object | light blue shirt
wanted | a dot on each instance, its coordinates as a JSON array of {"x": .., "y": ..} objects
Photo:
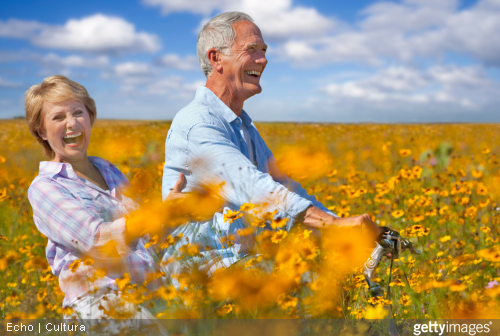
[{"x": 208, "y": 129}]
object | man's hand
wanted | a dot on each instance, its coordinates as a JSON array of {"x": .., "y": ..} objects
[
  {"x": 316, "y": 218},
  {"x": 368, "y": 226},
  {"x": 176, "y": 191}
]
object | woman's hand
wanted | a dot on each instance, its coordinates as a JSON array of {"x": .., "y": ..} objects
[{"x": 176, "y": 191}]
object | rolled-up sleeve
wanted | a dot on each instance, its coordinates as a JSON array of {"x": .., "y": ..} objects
[
  {"x": 215, "y": 157},
  {"x": 65, "y": 220}
]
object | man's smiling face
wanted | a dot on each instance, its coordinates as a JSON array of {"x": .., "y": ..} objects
[{"x": 242, "y": 69}]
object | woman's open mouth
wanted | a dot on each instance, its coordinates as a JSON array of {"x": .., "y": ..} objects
[{"x": 73, "y": 138}]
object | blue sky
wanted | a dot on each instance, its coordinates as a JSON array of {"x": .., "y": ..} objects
[{"x": 329, "y": 61}]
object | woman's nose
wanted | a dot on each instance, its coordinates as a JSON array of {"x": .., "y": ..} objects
[{"x": 70, "y": 121}]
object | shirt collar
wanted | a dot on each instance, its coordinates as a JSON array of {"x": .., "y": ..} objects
[
  {"x": 212, "y": 100},
  {"x": 247, "y": 121},
  {"x": 51, "y": 169}
]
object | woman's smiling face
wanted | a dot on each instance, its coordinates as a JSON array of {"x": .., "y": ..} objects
[{"x": 67, "y": 129}]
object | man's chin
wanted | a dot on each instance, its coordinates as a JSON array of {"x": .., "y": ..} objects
[{"x": 255, "y": 89}]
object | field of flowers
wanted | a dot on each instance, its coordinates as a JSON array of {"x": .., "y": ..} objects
[{"x": 438, "y": 185}]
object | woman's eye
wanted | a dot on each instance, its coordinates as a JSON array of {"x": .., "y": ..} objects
[{"x": 78, "y": 112}]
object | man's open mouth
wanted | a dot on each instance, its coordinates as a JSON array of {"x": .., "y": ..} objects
[
  {"x": 73, "y": 138},
  {"x": 253, "y": 73}
]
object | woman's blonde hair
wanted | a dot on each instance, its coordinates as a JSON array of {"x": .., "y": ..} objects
[{"x": 54, "y": 89}]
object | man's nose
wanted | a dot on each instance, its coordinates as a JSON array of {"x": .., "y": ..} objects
[{"x": 262, "y": 60}]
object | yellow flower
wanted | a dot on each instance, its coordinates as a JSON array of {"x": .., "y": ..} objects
[
  {"x": 485, "y": 229},
  {"x": 225, "y": 309},
  {"x": 231, "y": 216},
  {"x": 418, "y": 218},
  {"x": 74, "y": 265},
  {"x": 122, "y": 282},
  {"x": 444, "y": 209},
  {"x": 247, "y": 207},
  {"x": 152, "y": 241},
  {"x": 332, "y": 172},
  {"x": 286, "y": 302},
  {"x": 306, "y": 233},
  {"x": 484, "y": 203},
  {"x": 41, "y": 294},
  {"x": 3, "y": 194},
  {"x": 247, "y": 231},
  {"x": 458, "y": 287},
  {"x": 405, "y": 299},
  {"x": 376, "y": 313},
  {"x": 417, "y": 171},
  {"x": 193, "y": 250},
  {"x": 397, "y": 213},
  {"x": 278, "y": 236},
  {"x": 278, "y": 223},
  {"x": 477, "y": 173},
  {"x": 490, "y": 254},
  {"x": 485, "y": 151},
  {"x": 481, "y": 189},
  {"x": 404, "y": 152},
  {"x": 471, "y": 212},
  {"x": 445, "y": 239}
]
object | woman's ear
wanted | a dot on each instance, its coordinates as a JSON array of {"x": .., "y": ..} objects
[
  {"x": 41, "y": 133},
  {"x": 214, "y": 57}
]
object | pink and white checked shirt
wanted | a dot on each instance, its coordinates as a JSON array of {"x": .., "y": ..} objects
[{"x": 78, "y": 218}]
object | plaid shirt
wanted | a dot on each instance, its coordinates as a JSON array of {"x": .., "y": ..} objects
[{"x": 79, "y": 218}]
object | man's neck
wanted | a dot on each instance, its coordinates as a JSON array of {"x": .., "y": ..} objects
[{"x": 224, "y": 94}]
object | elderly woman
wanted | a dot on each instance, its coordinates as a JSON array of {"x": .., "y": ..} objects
[{"x": 78, "y": 205}]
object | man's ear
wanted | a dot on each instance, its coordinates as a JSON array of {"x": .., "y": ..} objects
[{"x": 214, "y": 57}]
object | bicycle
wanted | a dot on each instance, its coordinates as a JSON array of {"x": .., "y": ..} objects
[{"x": 388, "y": 243}]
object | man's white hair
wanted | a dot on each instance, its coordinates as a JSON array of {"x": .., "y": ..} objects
[{"x": 218, "y": 33}]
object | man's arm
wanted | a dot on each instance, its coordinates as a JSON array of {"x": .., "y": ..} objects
[
  {"x": 319, "y": 217},
  {"x": 215, "y": 158},
  {"x": 293, "y": 185}
]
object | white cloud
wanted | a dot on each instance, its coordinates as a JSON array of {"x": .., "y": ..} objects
[
  {"x": 173, "y": 86},
  {"x": 7, "y": 84},
  {"x": 97, "y": 33},
  {"x": 403, "y": 32},
  {"x": 204, "y": 7},
  {"x": 20, "y": 29},
  {"x": 466, "y": 88},
  {"x": 173, "y": 61},
  {"x": 133, "y": 69},
  {"x": 74, "y": 61},
  {"x": 278, "y": 19},
  {"x": 407, "y": 16}
]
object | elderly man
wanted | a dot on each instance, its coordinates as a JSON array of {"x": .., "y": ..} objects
[{"x": 214, "y": 127}]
